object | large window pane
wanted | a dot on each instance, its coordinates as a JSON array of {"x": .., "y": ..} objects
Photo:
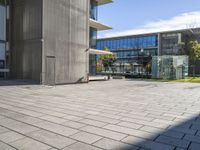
[
  {"x": 2, "y": 23},
  {"x": 2, "y": 51}
]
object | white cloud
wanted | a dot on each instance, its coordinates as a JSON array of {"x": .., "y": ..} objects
[{"x": 182, "y": 21}]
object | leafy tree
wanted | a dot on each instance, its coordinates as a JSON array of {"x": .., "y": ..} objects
[
  {"x": 99, "y": 66},
  {"x": 107, "y": 60},
  {"x": 194, "y": 53}
]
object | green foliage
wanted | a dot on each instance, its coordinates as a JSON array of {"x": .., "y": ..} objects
[
  {"x": 99, "y": 66},
  {"x": 194, "y": 54},
  {"x": 190, "y": 79},
  {"x": 194, "y": 50},
  {"x": 108, "y": 60}
]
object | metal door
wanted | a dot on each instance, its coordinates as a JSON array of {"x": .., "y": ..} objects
[{"x": 50, "y": 70}]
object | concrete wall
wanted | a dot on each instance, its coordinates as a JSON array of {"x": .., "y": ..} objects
[
  {"x": 49, "y": 40},
  {"x": 65, "y": 38},
  {"x": 26, "y": 39}
]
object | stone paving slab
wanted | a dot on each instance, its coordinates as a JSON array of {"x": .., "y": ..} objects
[
  {"x": 173, "y": 141},
  {"x": 4, "y": 146},
  {"x": 2, "y": 130},
  {"x": 52, "y": 139},
  {"x": 112, "y": 115},
  {"x": 56, "y": 128},
  {"x": 81, "y": 146},
  {"x": 104, "y": 132},
  {"x": 29, "y": 144},
  {"x": 114, "y": 145},
  {"x": 10, "y": 136},
  {"x": 86, "y": 137}
]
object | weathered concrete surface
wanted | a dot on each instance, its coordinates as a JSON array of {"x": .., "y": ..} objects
[
  {"x": 111, "y": 115},
  {"x": 49, "y": 41}
]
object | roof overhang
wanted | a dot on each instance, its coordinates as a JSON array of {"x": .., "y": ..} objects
[
  {"x": 102, "y": 2},
  {"x": 99, "y": 26},
  {"x": 99, "y": 52}
]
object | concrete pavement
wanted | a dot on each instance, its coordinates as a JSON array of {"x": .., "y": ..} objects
[{"x": 111, "y": 115}]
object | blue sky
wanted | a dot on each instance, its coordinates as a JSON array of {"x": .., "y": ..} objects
[{"x": 140, "y": 16}]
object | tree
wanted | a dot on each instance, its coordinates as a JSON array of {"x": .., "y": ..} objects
[
  {"x": 107, "y": 60},
  {"x": 99, "y": 66},
  {"x": 194, "y": 53}
]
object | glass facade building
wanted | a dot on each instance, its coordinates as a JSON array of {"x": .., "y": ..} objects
[
  {"x": 171, "y": 44},
  {"x": 128, "y": 43},
  {"x": 137, "y": 51},
  {"x": 130, "y": 48},
  {"x": 95, "y": 26}
]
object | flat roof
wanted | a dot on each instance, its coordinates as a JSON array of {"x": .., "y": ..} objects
[{"x": 148, "y": 34}]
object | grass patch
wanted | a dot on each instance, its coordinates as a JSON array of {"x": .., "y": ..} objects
[
  {"x": 186, "y": 80},
  {"x": 190, "y": 79}
]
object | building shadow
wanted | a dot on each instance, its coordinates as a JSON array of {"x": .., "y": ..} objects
[
  {"x": 182, "y": 136},
  {"x": 17, "y": 82}
]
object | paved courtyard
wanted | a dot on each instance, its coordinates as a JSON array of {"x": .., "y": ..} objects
[{"x": 112, "y": 115}]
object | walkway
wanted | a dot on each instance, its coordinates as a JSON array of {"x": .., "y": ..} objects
[{"x": 112, "y": 115}]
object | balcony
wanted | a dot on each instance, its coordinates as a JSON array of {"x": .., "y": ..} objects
[
  {"x": 99, "y": 52},
  {"x": 99, "y": 26},
  {"x": 102, "y": 2}
]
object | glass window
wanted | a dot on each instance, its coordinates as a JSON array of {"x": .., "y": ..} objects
[
  {"x": 137, "y": 43},
  {"x": 2, "y": 23},
  {"x": 101, "y": 45},
  {"x": 124, "y": 44},
  {"x": 121, "y": 43},
  {"x": 108, "y": 44},
  {"x": 93, "y": 10},
  {"x": 111, "y": 44},
  {"x": 120, "y": 54},
  {"x": 132, "y": 42},
  {"x": 117, "y": 44},
  {"x": 129, "y": 43},
  {"x": 2, "y": 51},
  {"x": 98, "y": 45},
  {"x": 123, "y": 54}
]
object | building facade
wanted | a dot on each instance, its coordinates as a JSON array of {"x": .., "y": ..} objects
[
  {"x": 4, "y": 38},
  {"x": 138, "y": 50},
  {"x": 95, "y": 26},
  {"x": 47, "y": 41}
]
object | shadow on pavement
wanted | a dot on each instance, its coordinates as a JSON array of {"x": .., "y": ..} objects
[
  {"x": 17, "y": 82},
  {"x": 184, "y": 136}
]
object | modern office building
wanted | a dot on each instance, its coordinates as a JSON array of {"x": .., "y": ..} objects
[
  {"x": 95, "y": 26},
  {"x": 48, "y": 41},
  {"x": 139, "y": 49}
]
